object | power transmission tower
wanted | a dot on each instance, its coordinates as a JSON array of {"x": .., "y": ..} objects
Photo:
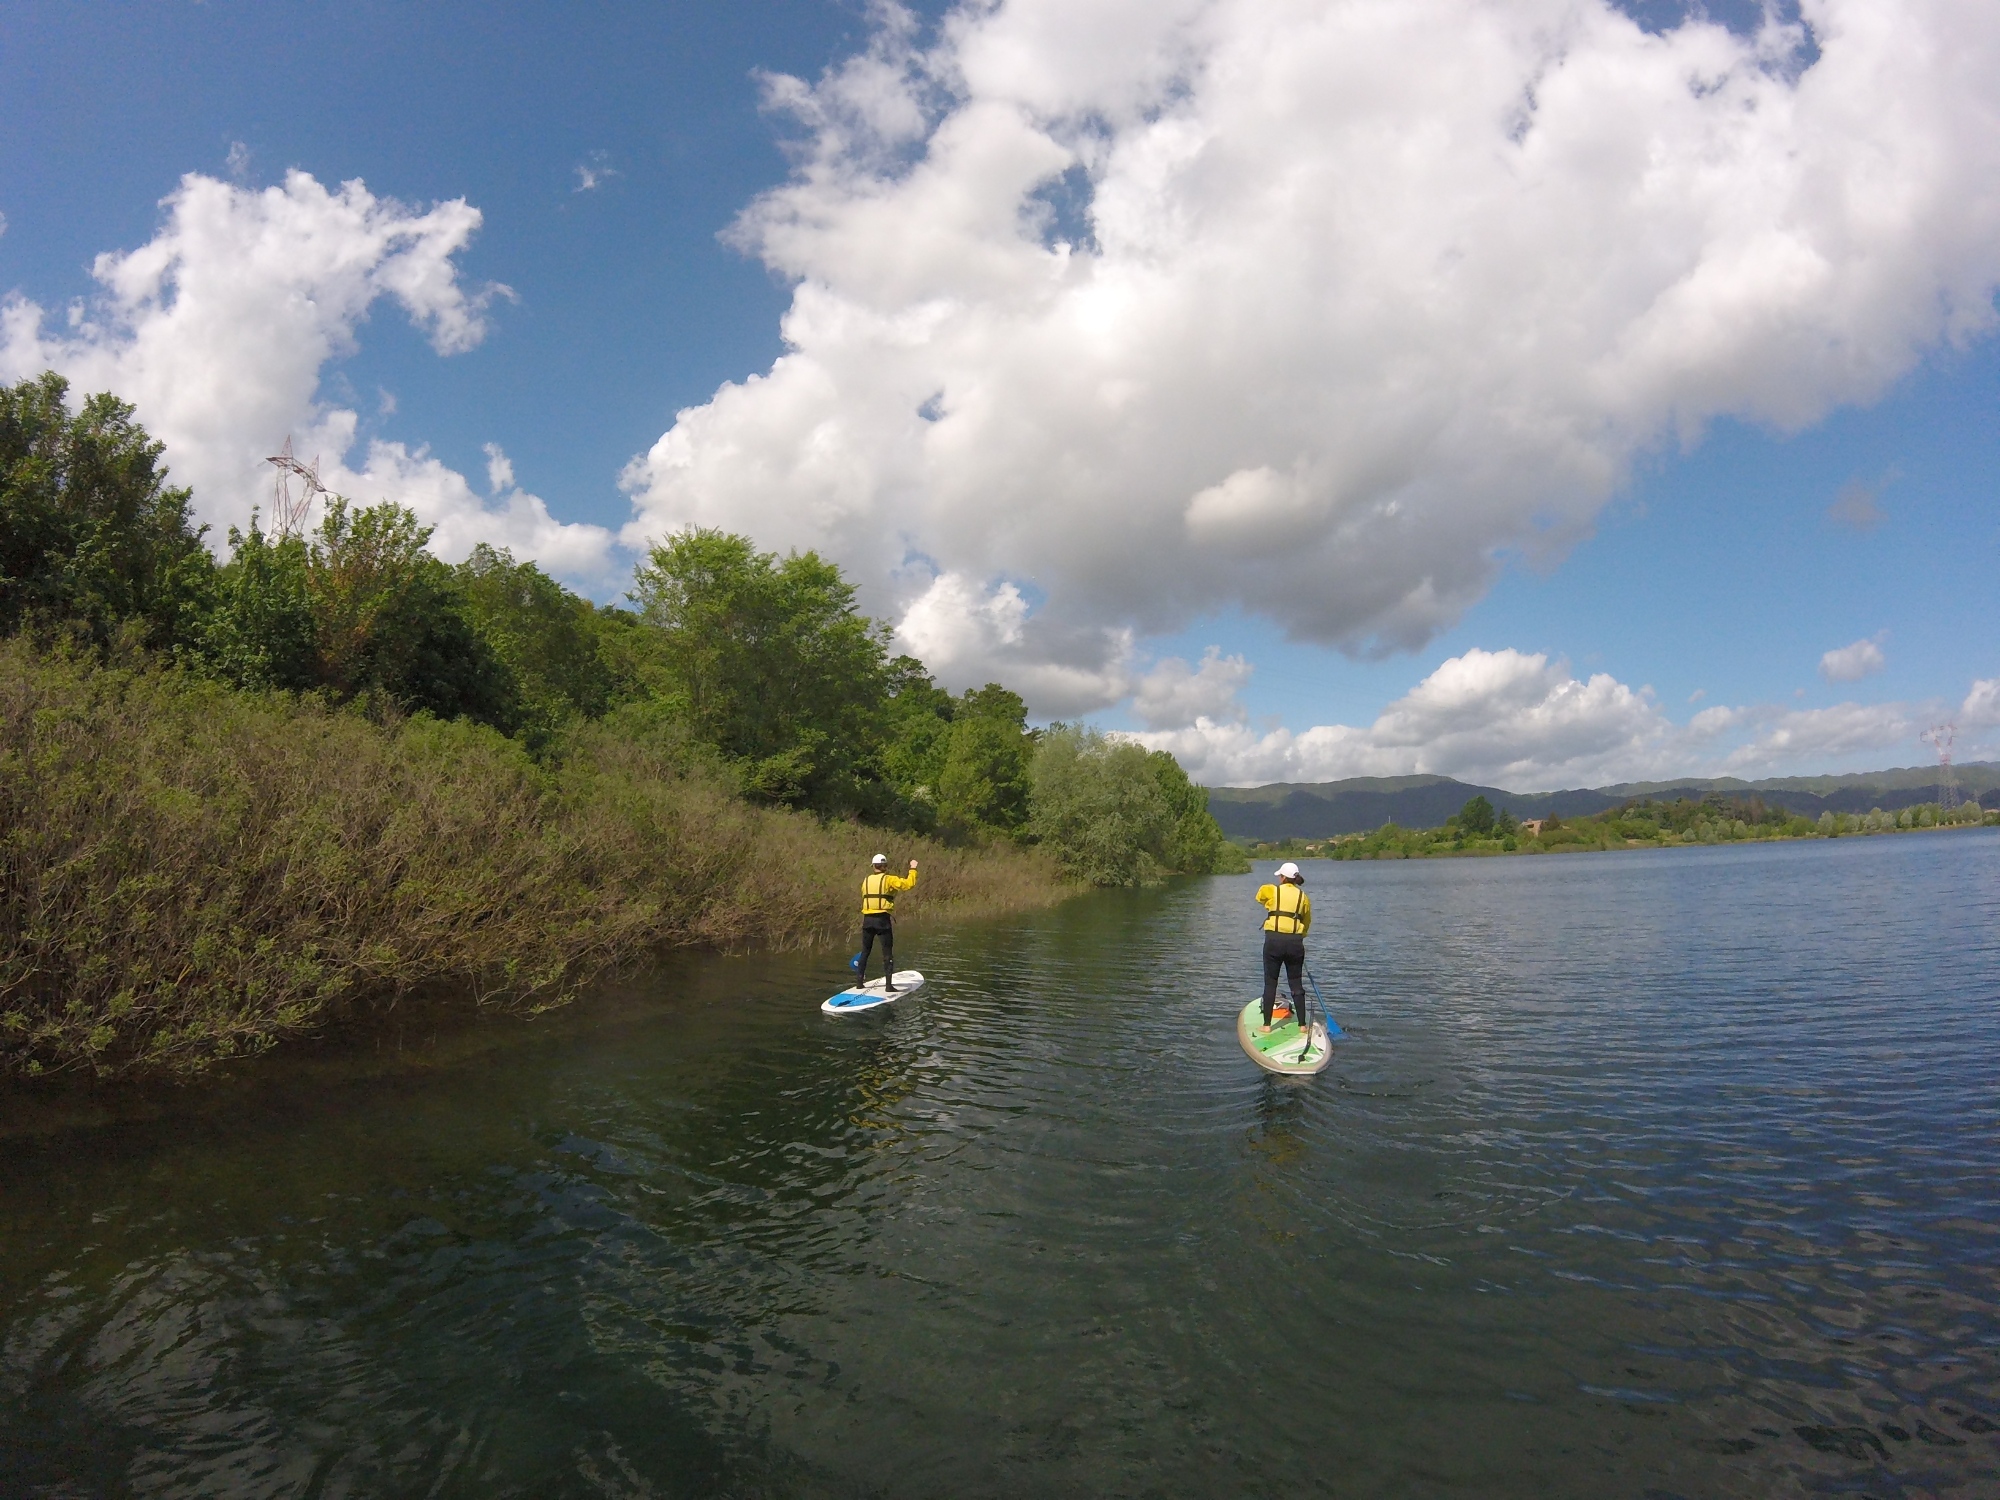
[
  {"x": 1939, "y": 737},
  {"x": 288, "y": 516}
]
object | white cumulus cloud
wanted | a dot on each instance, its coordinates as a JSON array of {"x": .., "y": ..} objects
[
  {"x": 1846, "y": 736},
  {"x": 1317, "y": 308},
  {"x": 1505, "y": 718},
  {"x": 217, "y": 331},
  {"x": 1982, "y": 704},
  {"x": 1851, "y": 663},
  {"x": 1525, "y": 723},
  {"x": 1173, "y": 693}
]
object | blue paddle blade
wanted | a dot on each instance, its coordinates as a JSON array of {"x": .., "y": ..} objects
[{"x": 854, "y": 963}]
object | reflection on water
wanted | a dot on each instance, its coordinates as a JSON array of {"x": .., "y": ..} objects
[{"x": 1654, "y": 1174}]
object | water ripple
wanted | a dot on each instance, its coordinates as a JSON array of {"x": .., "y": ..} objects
[{"x": 1656, "y": 1174}]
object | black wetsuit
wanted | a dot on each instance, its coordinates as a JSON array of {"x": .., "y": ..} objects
[
  {"x": 873, "y": 927},
  {"x": 1285, "y": 950}
]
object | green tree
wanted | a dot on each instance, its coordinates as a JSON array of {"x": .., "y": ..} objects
[
  {"x": 261, "y": 632},
  {"x": 1098, "y": 807},
  {"x": 772, "y": 664},
  {"x": 392, "y": 621},
  {"x": 358, "y": 610},
  {"x": 916, "y": 737},
  {"x": 1476, "y": 817},
  {"x": 1195, "y": 845},
  {"x": 986, "y": 774},
  {"x": 91, "y": 534},
  {"x": 546, "y": 636},
  {"x": 1113, "y": 813}
]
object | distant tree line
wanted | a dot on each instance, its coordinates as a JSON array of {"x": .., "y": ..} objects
[
  {"x": 763, "y": 662},
  {"x": 1479, "y": 828}
]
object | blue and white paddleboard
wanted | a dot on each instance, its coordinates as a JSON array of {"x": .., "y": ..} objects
[{"x": 868, "y": 996}]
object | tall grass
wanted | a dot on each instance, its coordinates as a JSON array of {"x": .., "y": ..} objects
[{"x": 190, "y": 873}]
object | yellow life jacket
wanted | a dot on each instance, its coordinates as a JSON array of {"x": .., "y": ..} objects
[
  {"x": 1286, "y": 918},
  {"x": 878, "y": 894}
]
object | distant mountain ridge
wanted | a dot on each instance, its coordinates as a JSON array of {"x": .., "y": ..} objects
[{"x": 1317, "y": 810}]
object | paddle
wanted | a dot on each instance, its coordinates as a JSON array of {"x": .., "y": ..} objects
[{"x": 1326, "y": 1013}]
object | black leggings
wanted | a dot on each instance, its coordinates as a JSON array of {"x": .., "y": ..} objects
[
  {"x": 871, "y": 929},
  {"x": 1286, "y": 950}
]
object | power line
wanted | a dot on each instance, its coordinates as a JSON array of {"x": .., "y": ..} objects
[
  {"x": 288, "y": 515},
  {"x": 1939, "y": 738}
]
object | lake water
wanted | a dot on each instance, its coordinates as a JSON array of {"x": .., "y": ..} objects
[{"x": 1651, "y": 1174}]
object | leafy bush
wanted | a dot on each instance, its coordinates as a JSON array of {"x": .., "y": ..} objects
[
  {"x": 551, "y": 641},
  {"x": 1114, "y": 814}
]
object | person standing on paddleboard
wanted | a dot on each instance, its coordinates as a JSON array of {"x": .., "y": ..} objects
[
  {"x": 1291, "y": 917},
  {"x": 878, "y": 901}
]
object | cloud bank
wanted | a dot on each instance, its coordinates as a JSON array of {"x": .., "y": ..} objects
[
  {"x": 217, "y": 331},
  {"x": 1140, "y": 309},
  {"x": 1526, "y": 723}
]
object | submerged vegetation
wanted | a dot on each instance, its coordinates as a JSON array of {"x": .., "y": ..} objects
[
  {"x": 1641, "y": 823},
  {"x": 237, "y": 796}
]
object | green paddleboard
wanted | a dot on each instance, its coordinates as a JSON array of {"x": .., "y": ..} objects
[{"x": 1284, "y": 1048}]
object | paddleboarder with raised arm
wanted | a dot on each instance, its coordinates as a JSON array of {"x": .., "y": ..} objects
[
  {"x": 878, "y": 902},
  {"x": 1290, "y": 918}
]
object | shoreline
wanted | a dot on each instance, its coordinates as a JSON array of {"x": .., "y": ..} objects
[
  {"x": 195, "y": 874},
  {"x": 382, "y": 1041},
  {"x": 1446, "y": 848}
]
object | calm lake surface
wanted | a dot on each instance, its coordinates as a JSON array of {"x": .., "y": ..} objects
[{"x": 1652, "y": 1174}]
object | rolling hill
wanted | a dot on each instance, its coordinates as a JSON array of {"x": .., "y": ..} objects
[{"x": 1313, "y": 810}]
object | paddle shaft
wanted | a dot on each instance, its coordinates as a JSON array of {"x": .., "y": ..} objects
[{"x": 1325, "y": 1010}]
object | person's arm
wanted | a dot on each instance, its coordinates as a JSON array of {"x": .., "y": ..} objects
[
  {"x": 1267, "y": 897},
  {"x": 1306, "y": 924},
  {"x": 904, "y": 883}
]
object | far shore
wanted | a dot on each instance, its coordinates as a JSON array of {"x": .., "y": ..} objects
[{"x": 1606, "y": 832}]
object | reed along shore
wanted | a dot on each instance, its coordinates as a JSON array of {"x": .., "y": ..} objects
[{"x": 191, "y": 873}]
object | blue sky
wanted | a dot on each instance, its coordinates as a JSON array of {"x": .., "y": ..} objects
[
  {"x": 607, "y": 149},
  {"x": 630, "y": 308}
]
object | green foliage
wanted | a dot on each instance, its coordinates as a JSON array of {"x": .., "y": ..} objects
[
  {"x": 1641, "y": 822},
  {"x": 546, "y": 637},
  {"x": 261, "y": 632},
  {"x": 985, "y": 777},
  {"x": 358, "y": 610},
  {"x": 1114, "y": 814},
  {"x": 1098, "y": 807},
  {"x": 190, "y": 873},
  {"x": 90, "y": 533},
  {"x": 391, "y": 620},
  {"x": 916, "y": 735},
  {"x": 1195, "y": 845},
  {"x": 772, "y": 664},
  {"x": 1476, "y": 817}
]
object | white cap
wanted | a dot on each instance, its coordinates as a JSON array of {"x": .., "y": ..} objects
[
  {"x": 880, "y": 859},
  {"x": 1288, "y": 871}
]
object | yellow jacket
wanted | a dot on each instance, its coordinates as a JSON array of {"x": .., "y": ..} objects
[
  {"x": 1290, "y": 907},
  {"x": 878, "y": 892}
]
